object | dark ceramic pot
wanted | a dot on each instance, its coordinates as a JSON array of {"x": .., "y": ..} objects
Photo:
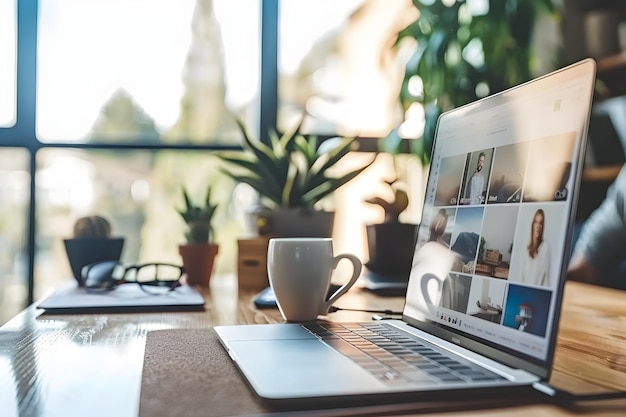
[
  {"x": 87, "y": 250},
  {"x": 391, "y": 247},
  {"x": 294, "y": 222}
]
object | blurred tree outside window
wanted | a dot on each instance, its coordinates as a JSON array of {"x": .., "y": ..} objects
[
  {"x": 340, "y": 64},
  {"x": 149, "y": 70}
]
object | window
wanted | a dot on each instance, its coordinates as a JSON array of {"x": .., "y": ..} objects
[
  {"x": 8, "y": 62},
  {"x": 146, "y": 70},
  {"x": 144, "y": 73},
  {"x": 139, "y": 192},
  {"x": 131, "y": 99},
  {"x": 122, "y": 102},
  {"x": 14, "y": 194}
]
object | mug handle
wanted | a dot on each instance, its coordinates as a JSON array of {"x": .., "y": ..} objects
[
  {"x": 426, "y": 278},
  {"x": 356, "y": 272}
]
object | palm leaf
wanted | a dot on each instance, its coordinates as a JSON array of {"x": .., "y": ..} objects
[
  {"x": 291, "y": 170},
  {"x": 253, "y": 167},
  {"x": 274, "y": 194},
  {"x": 289, "y": 138},
  {"x": 308, "y": 148},
  {"x": 332, "y": 184},
  {"x": 290, "y": 191},
  {"x": 261, "y": 151},
  {"x": 343, "y": 147}
]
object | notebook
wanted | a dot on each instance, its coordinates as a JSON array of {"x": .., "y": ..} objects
[
  {"x": 487, "y": 276},
  {"x": 69, "y": 298}
]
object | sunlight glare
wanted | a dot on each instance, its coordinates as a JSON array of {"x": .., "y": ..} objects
[{"x": 140, "y": 47}]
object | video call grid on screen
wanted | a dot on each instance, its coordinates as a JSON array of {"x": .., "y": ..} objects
[
  {"x": 489, "y": 231},
  {"x": 490, "y": 197}
]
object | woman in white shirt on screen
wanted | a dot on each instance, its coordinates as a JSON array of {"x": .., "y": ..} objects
[{"x": 536, "y": 266}]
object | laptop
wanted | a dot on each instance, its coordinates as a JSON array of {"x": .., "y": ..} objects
[{"x": 487, "y": 276}]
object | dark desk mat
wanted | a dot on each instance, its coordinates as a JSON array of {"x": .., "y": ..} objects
[{"x": 188, "y": 373}]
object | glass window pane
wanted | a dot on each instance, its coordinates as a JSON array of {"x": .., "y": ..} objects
[
  {"x": 8, "y": 62},
  {"x": 147, "y": 70},
  {"x": 140, "y": 193},
  {"x": 14, "y": 194},
  {"x": 338, "y": 62}
]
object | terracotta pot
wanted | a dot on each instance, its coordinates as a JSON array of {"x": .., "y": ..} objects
[
  {"x": 86, "y": 250},
  {"x": 198, "y": 259}
]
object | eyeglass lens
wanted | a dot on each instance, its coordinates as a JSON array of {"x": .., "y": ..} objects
[
  {"x": 102, "y": 274},
  {"x": 108, "y": 274},
  {"x": 153, "y": 272}
]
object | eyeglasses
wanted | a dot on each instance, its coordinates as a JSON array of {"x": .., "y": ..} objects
[{"x": 153, "y": 278}]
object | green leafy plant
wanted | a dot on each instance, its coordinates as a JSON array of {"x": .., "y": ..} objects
[
  {"x": 291, "y": 170},
  {"x": 394, "y": 207},
  {"x": 198, "y": 218},
  {"x": 464, "y": 54}
]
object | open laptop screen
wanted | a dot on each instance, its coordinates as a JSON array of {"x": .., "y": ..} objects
[{"x": 493, "y": 243}]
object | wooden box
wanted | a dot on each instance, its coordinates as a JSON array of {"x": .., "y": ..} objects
[
  {"x": 502, "y": 272},
  {"x": 483, "y": 269},
  {"x": 252, "y": 263},
  {"x": 493, "y": 256}
]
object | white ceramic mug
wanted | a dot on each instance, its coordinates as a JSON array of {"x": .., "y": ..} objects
[{"x": 300, "y": 270}]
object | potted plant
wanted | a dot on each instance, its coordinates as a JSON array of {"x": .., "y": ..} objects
[
  {"x": 466, "y": 50},
  {"x": 391, "y": 243},
  {"x": 91, "y": 242},
  {"x": 199, "y": 251},
  {"x": 291, "y": 175}
]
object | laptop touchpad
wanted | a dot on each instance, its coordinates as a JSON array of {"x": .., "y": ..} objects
[{"x": 296, "y": 367}]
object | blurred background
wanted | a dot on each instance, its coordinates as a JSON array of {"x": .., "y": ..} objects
[{"x": 110, "y": 106}]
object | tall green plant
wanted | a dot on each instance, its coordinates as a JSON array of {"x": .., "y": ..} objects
[
  {"x": 292, "y": 170},
  {"x": 464, "y": 54}
]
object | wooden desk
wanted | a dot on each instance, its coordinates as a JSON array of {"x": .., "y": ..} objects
[{"x": 90, "y": 365}]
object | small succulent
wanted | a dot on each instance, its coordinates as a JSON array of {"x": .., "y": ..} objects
[
  {"x": 198, "y": 218},
  {"x": 92, "y": 227},
  {"x": 392, "y": 208}
]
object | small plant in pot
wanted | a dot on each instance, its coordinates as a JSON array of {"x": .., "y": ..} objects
[
  {"x": 291, "y": 175},
  {"x": 391, "y": 243},
  {"x": 199, "y": 251},
  {"x": 92, "y": 242}
]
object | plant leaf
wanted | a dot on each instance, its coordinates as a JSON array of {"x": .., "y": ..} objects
[
  {"x": 341, "y": 149},
  {"x": 259, "y": 184},
  {"x": 332, "y": 184}
]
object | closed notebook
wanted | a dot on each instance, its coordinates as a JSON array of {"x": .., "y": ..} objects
[{"x": 70, "y": 298}]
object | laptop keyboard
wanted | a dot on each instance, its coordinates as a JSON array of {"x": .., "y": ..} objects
[{"x": 393, "y": 357}]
